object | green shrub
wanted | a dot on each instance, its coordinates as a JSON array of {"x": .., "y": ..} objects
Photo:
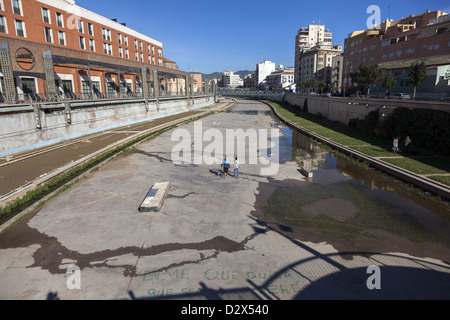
[
  {"x": 369, "y": 124},
  {"x": 428, "y": 129}
]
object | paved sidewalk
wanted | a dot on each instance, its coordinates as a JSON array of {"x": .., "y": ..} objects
[{"x": 204, "y": 244}]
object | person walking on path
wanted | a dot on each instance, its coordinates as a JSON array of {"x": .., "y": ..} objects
[
  {"x": 395, "y": 145},
  {"x": 236, "y": 168},
  {"x": 407, "y": 144},
  {"x": 226, "y": 166}
]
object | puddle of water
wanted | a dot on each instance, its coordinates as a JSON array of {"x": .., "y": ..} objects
[
  {"x": 351, "y": 207},
  {"x": 252, "y": 112}
]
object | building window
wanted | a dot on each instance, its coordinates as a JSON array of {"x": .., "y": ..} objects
[
  {"x": 17, "y": 7},
  {"x": 136, "y": 56},
  {"x": 142, "y": 57},
  {"x": 125, "y": 40},
  {"x": 67, "y": 86},
  {"x": 391, "y": 54},
  {"x": 2, "y": 8},
  {"x": 48, "y": 34},
  {"x": 150, "y": 59},
  {"x": 92, "y": 44},
  {"x": 28, "y": 85},
  {"x": 436, "y": 46},
  {"x": 373, "y": 47},
  {"x": 2, "y": 24},
  {"x": 46, "y": 15},
  {"x": 120, "y": 52},
  {"x": 127, "y": 54},
  {"x": 59, "y": 20},
  {"x": 140, "y": 45},
  {"x": 80, "y": 26},
  {"x": 111, "y": 88},
  {"x": 153, "y": 50},
  {"x": 107, "y": 48},
  {"x": 160, "y": 62},
  {"x": 148, "y": 48},
  {"x": 20, "y": 28},
  {"x": 399, "y": 53},
  {"x": 82, "y": 43},
  {"x": 135, "y": 44},
  {"x": 159, "y": 52},
  {"x": 106, "y": 33},
  {"x": 119, "y": 38},
  {"x": 90, "y": 29},
  {"x": 61, "y": 38},
  {"x": 410, "y": 50}
]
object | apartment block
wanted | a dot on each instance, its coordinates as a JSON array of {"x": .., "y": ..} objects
[
  {"x": 316, "y": 62},
  {"x": 231, "y": 80},
  {"x": 282, "y": 78},
  {"x": 395, "y": 45},
  {"x": 307, "y": 38},
  {"x": 263, "y": 69},
  {"x": 54, "y": 47}
]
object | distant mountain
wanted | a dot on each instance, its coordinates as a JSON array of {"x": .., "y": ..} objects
[{"x": 210, "y": 76}]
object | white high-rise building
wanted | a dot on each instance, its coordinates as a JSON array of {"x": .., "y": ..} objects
[
  {"x": 231, "y": 80},
  {"x": 263, "y": 69},
  {"x": 307, "y": 38}
]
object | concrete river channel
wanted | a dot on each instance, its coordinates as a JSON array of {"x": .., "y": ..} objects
[{"x": 277, "y": 236}]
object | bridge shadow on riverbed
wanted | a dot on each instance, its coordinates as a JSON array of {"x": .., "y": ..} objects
[{"x": 327, "y": 277}]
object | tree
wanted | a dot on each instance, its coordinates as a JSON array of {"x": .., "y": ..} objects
[
  {"x": 367, "y": 75},
  {"x": 312, "y": 83},
  {"x": 301, "y": 85},
  {"x": 389, "y": 82},
  {"x": 321, "y": 85},
  {"x": 417, "y": 74}
]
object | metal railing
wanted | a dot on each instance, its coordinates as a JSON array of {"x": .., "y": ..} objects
[
  {"x": 420, "y": 97},
  {"x": 24, "y": 98},
  {"x": 70, "y": 96}
]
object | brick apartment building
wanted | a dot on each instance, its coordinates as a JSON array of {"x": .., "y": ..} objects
[
  {"x": 395, "y": 45},
  {"x": 54, "y": 48}
]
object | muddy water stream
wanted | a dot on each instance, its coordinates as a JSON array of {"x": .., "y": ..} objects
[{"x": 358, "y": 210}]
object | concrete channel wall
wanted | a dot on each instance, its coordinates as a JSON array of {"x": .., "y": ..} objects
[
  {"x": 31, "y": 126},
  {"x": 344, "y": 109}
]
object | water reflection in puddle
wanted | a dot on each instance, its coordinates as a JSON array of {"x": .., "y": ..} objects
[
  {"x": 252, "y": 112},
  {"x": 352, "y": 207}
]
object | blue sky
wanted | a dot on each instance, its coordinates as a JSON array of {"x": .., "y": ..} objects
[{"x": 208, "y": 36}]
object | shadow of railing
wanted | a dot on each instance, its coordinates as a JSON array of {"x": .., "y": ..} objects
[{"x": 334, "y": 278}]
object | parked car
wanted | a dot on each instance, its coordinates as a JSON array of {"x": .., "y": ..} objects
[
  {"x": 401, "y": 96},
  {"x": 326, "y": 94}
]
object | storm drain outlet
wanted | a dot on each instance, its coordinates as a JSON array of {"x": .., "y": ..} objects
[{"x": 154, "y": 199}]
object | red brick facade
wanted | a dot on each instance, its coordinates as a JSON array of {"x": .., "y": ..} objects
[
  {"x": 414, "y": 37},
  {"x": 81, "y": 43}
]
